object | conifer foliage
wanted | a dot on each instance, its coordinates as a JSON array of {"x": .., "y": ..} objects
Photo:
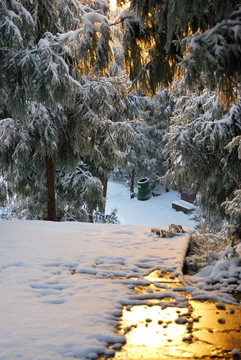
[
  {"x": 201, "y": 40},
  {"x": 162, "y": 30},
  {"x": 196, "y": 148},
  {"x": 54, "y": 121},
  {"x": 149, "y": 119},
  {"x": 217, "y": 53}
]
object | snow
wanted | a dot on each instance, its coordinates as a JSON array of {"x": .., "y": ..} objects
[
  {"x": 93, "y": 17},
  {"x": 157, "y": 211},
  {"x": 185, "y": 204},
  {"x": 63, "y": 285}
]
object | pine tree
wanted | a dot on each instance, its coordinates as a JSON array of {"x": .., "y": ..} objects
[
  {"x": 37, "y": 85},
  {"x": 48, "y": 126},
  {"x": 216, "y": 53},
  {"x": 200, "y": 40},
  {"x": 102, "y": 133},
  {"x": 158, "y": 35},
  {"x": 200, "y": 131},
  {"x": 149, "y": 119}
]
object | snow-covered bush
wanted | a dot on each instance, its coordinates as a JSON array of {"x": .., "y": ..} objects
[
  {"x": 207, "y": 247},
  {"x": 111, "y": 218},
  {"x": 232, "y": 209}
]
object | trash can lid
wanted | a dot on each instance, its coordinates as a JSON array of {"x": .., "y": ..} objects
[{"x": 143, "y": 180}]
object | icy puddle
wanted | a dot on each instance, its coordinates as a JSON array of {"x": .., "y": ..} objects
[{"x": 194, "y": 330}]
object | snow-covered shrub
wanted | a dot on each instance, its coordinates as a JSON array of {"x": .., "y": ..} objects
[
  {"x": 205, "y": 247},
  {"x": 111, "y": 218}
]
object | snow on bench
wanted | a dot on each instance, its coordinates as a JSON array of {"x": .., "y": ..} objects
[{"x": 182, "y": 205}]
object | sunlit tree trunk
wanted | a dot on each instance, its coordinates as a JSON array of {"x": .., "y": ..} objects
[{"x": 51, "y": 211}]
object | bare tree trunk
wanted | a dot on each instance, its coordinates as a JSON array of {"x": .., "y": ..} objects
[
  {"x": 132, "y": 192},
  {"x": 51, "y": 215}
]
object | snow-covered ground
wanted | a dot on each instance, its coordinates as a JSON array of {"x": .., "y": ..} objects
[
  {"x": 63, "y": 285},
  {"x": 157, "y": 211}
]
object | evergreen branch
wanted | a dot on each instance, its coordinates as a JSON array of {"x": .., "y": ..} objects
[
  {"x": 146, "y": 67},
  {"x": 5, "y": 50},
  {"x": 234, "y": 179},
  {"x": 118, "y": 21}
]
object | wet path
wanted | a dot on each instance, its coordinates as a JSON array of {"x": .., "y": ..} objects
[{"x": 163, "y": 330}]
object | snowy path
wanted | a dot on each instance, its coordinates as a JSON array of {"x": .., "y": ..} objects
[{"x": 63, "y": 285}]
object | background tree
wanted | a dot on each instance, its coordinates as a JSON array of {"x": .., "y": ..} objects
[
  {"x": 200, "y": 39},
  {"x": 200, "y": 131},
  {"x": 149, "y": 118}
]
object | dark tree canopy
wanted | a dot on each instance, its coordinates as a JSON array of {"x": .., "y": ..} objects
[{"x": 154, "y": 46}]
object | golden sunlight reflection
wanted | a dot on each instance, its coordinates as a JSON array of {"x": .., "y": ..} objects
[
  {"x": 195, "y": 329},
  {"x": 158, "y": 276},
  {"x": 151, "y": 330},
  {"x": 160, "y": 324},
  {"x": 154, "y": 332}
]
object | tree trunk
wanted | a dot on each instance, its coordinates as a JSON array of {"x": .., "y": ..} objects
[
  {"x": 91, "y": 219},
  {"x": 132, "y": 191},
  {"x": 51, "y": 215},
  {"x": 169, "y": 167},
  {"x": 105, "y": 183},
  {"x": 105, "y": 187}
]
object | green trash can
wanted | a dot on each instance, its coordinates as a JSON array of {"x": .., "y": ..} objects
[{"x": 144, "y": 192}]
